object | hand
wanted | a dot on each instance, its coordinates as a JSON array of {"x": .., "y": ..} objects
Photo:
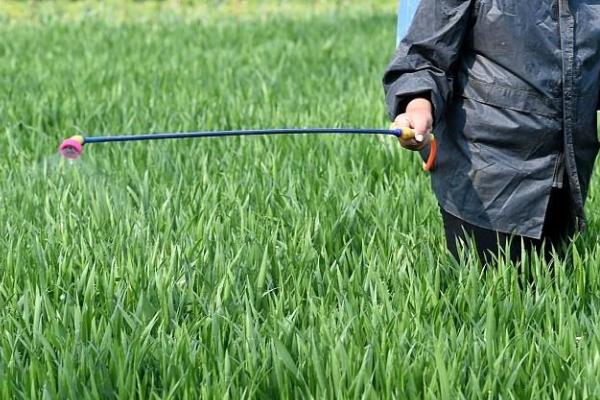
[{"x": 418, "y": 116}]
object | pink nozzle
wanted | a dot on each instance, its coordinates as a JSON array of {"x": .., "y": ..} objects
[{"x": 71, "y": 149}]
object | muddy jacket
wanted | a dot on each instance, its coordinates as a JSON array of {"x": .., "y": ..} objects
[{"x": 515, "y": 89}]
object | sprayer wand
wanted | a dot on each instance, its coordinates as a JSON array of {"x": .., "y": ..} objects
[{"x": 73, "y": 147}]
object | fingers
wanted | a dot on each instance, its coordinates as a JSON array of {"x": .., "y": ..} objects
[
  {"x": 420, "y": 125},
  {"x": 419, "y": 113}
]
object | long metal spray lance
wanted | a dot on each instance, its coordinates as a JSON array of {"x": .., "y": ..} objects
[{"x": 73, "y": 147}]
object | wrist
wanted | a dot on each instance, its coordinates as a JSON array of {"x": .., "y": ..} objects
[{"x": 419, "y": 104}]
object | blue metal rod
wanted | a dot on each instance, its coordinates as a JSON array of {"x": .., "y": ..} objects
[{"x": 256, "y": 132}]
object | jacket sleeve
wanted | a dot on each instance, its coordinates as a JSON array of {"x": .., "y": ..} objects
[{"x": 424, "y": 59}]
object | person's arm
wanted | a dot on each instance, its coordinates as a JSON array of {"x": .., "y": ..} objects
[{"x": 422, "y": 65}]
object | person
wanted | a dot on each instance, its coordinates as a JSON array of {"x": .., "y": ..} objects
[{"x": 511, "y": 90}]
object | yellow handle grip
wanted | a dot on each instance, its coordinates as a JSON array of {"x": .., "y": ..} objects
[{"x": 408, "y": 133}]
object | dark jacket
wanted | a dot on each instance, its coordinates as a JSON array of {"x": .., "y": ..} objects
[{"x": 515, "y": 89}]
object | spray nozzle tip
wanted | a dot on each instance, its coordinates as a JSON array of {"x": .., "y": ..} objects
[{"x": 71, "y": 148}]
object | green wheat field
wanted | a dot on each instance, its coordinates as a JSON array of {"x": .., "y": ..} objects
[{"x": 263, "y": 267}]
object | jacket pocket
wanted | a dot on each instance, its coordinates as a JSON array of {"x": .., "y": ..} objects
[
  {"x": 500, "y": 132},
  {"x": 510, "y": 98}
]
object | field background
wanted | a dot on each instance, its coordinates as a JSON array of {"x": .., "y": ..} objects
[{"x": 257, "y": 267}]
